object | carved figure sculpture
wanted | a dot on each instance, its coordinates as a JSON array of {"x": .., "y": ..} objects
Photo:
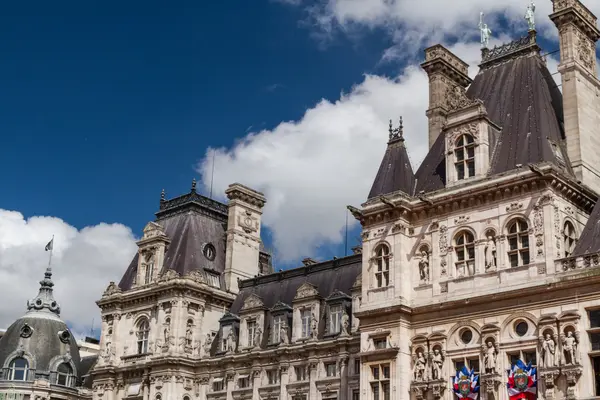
[
  {"x": 530, "y": 16},
  {"x": 314, "y": 326},
  {"x": 257, "y": 337},
  {"x": 490, "y": 254},
  {"x": 570, "y": 349},
  {"x": 188, "y": 335},
  {"x": 489, "y": 358},
  {"x": 345, "y": 324},
  {"x": 548, "y": 351},
  {"x": 230, "y": 341},
  {"x": 109, "y": 352},
  {"x": 424, "y": 267},
  {"x": 437, "y": 363},
  {"x": 283, "y": 334},
  {"x": 419, "y": 367},
  {"x": 485, "y": 32},
  {"x": 207, "y": 344}
]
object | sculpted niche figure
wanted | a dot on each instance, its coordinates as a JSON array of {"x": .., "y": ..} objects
[
  {"x": 570, "y": 348},
  {"x": 548, "y": 351},
  {"x": 489, "y": 357},
  {"x": 283, "y": 334},
  {"x": 424, "y": 266},
  {"x": 419, "y": 367},
  {"x": 207, "y": 344},
  {"x": 438, "y": 364},
  {"x": 257, "y": 337},
  {"x": 490, "y": 253},
  {"x": 345, "y": 323},
  {"x": 314, "y": 326}
]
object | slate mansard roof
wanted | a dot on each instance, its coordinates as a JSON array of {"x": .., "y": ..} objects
[
  {"x": 190, "y": 221},
  {"x": 521, "y": 97}
]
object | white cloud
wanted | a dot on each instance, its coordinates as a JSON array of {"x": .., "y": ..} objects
[
  {"x": 312, "y": 168},
  {"x": 84, "y": 262}
]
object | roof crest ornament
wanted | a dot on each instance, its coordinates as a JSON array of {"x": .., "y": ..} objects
[
  {"x": 485, "y": 31},
  {"x": 397, "y": 133},
  {"x": 193, "y": 185},
  {"x": 530, "y": 16},
  {"x": 45, "y": 298}
]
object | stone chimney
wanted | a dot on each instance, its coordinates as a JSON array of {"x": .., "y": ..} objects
[
  {"x": 446, "y": 72},
  {"x": 578, "y": 33},
  {"x": 243, "y": 234}
]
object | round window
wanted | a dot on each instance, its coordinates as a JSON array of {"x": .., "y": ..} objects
[
  {"x": 209, "y": 251},
  {"x": 521, "y": 328},
  {"x": 466, "y": 336}
]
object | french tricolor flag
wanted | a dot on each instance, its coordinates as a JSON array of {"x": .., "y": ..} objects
[{"x": 522, "y": 381}]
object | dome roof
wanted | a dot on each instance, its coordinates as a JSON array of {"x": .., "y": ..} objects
[{"x": 40, "y": 336}]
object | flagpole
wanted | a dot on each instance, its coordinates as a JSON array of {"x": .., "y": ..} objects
[{"x": 51, "y": 250}]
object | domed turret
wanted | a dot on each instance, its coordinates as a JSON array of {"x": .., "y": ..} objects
[{"x": 39, "y": 345}]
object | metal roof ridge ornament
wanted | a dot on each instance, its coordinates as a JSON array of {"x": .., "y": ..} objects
[
  {"x": 514, "y": 49},
  {"x": 485, "y": 32},
  {"x": 530, "y": 16},
  {"x": 397, "y": 133}
]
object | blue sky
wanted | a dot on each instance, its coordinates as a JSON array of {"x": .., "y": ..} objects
[{"x": 105, "y": 103}]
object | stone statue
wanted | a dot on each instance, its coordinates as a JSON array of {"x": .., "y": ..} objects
[
  {"x": 424, "y": 267},
  {"x": 570, "y": 349},
  {"x": 489, "y": 358},
  {"x": 530, "y": 16},
  {"x": 257, "y": 337},
  {"x": 188, "y": 335},
  {"x": 437, "y": 363},
  {"x": 548, "y": 351},
  {"x": 314, "y": 326},
  {"x": 345, "y": 324},
  {"x": 283, "y": 334},
  {"x": 207, "y": 344},
  {"x": 230, "y": 341},
  {"x": 419, "y": 367},
  {"x": 485, "y": 32},
  {"x": 490, "y": 254},
  {"x": 109, "y": 352}
]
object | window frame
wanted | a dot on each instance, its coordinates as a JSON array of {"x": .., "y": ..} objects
[
  {"x": 464, "y": 166},
  {"x": 382, "y": 265},
  {"x": 68, "y": 375},
  {"x": 379, "y": 383},
  {"x": 465, "y": 252},
  {"x": 273, "y": 377},
  {"x": 520, "y": 235},
  {"x": 569, "y": 237},
  {"x": 13, "y": 369},
  {"x": 305, "y": 321},
  {"x": 278, "y": 321},
  {"x": 143, "y": 335},
  {"x": 335, "y": 318},
  {"x": 251, "y": 328}
]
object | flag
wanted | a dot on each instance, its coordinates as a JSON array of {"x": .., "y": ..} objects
[
  {"x": 522, "y": 381},
  {"x": 466, "y": 384},
  {"x": 50, "y": 245}
]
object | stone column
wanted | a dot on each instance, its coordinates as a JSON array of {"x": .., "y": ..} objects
[
  {"x": 230, "y": 384},
  {"x": 284, "y": 380},
  {"x": 255, "y": 384},
  {"x": 313, "y": 366},
  {"x": 343, "y": 368},
  {"x": 203, "y": 387}
]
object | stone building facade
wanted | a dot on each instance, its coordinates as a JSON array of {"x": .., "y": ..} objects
[{"x": 487, "y": 254}]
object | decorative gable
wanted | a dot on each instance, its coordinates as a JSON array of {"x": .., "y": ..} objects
[
  {"x": 306, "y": 291},
  {"x": 152, "y": 229},
  {"x": 280, "y": 307},
  {"x": 252, "y": 302},
  {"x": 338, "y": 295}
]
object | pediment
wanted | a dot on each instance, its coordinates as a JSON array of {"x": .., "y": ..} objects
[
  {"x": 280, "y": 307},
  {"x": 229, "y": 318},
  {"x": 338, "y": 295},
  {"x": 253, "y": 301},
  {"x": 487, "y": 328},
  {"x": 306, "y": 290}
]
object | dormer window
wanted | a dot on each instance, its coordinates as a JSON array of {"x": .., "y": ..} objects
[
  {"x": 305, "y": 317},
  {"x": 336, "y": 318},
  {"x": 149, "y": 271},
  {"x": 277, "y": 325},
  {"x": 464, "y": 154},
  {"x": 252, "y": 327}
]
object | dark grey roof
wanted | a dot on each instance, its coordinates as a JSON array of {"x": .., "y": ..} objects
[
  {"x": 87, "y": 363},
  {"x": 589, "y": 241},
  {"x": 190, "y": 221},
  {"x": 395, "y": 172},
  {"x": 522, "y": 98}
]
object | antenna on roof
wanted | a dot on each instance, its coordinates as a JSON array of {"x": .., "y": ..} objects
[
  {"x": 92, "y": 329},
  {"x": 212, "y": 176}
]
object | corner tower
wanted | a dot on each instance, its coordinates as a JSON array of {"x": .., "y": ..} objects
[{"x": 578, "y": 33}]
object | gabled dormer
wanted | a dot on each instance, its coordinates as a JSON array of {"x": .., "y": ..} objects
[
  {"x": 229, "y": 332},
  {"x": 337, "y": 314},
  {"x": 252, "y": 322},
  {"x": 151, "y": 253},
  {"x": 280, "y": 322},
  {"x": 307, "y": 309},
  {"x": 469, "y": 137}
]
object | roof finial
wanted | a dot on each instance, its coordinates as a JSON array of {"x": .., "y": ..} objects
[
  {"x": 44, "y": 301},
  {"x": 397, "y": 133},
  {"x": 530, "y": 16},
  {"x": 401, "y": 129},
  {"x": 162, "y": 195},
  {"x": 485, "y": 32},
  {"x": 391, "y": 131},
  {"x": 194, "y": 185}
]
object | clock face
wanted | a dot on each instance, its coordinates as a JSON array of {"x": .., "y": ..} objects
[{"x": 209, "y": 251}]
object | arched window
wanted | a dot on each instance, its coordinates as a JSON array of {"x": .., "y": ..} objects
[
  {"x": 518, "y": 243},
  {"x": 464, "y": 245},
  {"x": 64, "y": 375},
  {"x": 569, "y": 238},
  {"x": 464, "y": 153},
  {"x": 18, "y": 370},
  {"x": 143, "y": 333},
  {"x": 382, "y": 262}
]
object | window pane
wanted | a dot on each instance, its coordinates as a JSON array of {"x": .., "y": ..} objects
[
  {"x": 460, "y": 254},
  {"x": 595, "y": 342},
  {"x": 471, "y": 251},
  {"x": 386, "y": 371},
  {"x": 513, "y": 228},
  {"x": 385, "y": 386},
  {"x": 514, "y": 260},
  {"x": 525, "y": 256},
  {"x": 460, "y": 171},
  {"x": 594, "y": 318},
  {"x": 529, "y": 357},
  {"x": 525, "y": 241},
  {"x": 460, "y": 155},
  {"x": 596, "y": 363},
  {"x": 375, "y": 372},
  {"x": 474, "y": 365},
  {"x": 459, "y": 364},
  {"x": 471, "y": 166},
  {"x": 512, "y": 243},
  {"x": 471, "y": 152}
]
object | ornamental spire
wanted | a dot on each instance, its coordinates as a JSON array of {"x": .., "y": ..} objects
[
  {"x": 194, "y": 185},
  {"x": 397, "y": 133},
  {"x": 44, "y": 301}
]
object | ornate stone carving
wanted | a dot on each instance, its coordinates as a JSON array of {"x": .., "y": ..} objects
[
  {"x": 196, "y": 276},
  {"x": 252, "y": 301},
  {"x": 168, "y": 275},
  {"x": 490, "y": 355},
  {"x": 306, "y": 290},
  {"x": 538, "y": 229},
  {"x": 419, "y": 390},
  {"x": 111, "y": 289},
  {"x": 569, "y": 344},
  {"x": 437, "y": 364},
  {"x": 26, "y": 331},
  {"x": 557, "y": 230},
  {"x": 572, "y": 374},
  {"x": 549, "y": 377},
  {"x": 569, "y": 264},
  {"x": 419, "y": 367},
  {"x": 424, "y": 267},
  {"x": 456, "y": 98},
  {"x": 490, "y": 383},
  {"x": 443, "y": 266},
  {"x": 444, "y": 287},
  {"x": 585, "y": 51},
  {"x": 248, "y": 222},
  {"x": 548, "y": 351},
  {"x": 514, "y": 207},
  {"x": 443, "y": 242},
  {"x": 490, "y": 253},
  {"x": 463, "y": 219}
]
